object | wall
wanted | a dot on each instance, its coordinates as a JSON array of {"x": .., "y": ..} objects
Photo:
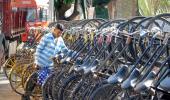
[
  {"x": 122, "y": 9},
  {"x": 1, "y": 16},
  {"x": 125, "y": 8},
  {"x": 6, "y": 27}
]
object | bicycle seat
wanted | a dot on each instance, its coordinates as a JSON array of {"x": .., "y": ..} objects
[
  {"x": 146, "y": 83},
  {"x": 119, "y": 76},
  {"x": 68, "y": 57},
  {"x": 70, "y": 53},
  {"x": 85, "y": 64},
  {"x": 75, "y": 55},
  {"x": 131, "y": 81},
  {"x": 80, "y": 67},
  {"x": 60, "y": 54},
  {"x": 164, "y": 84},
  {"x": 65, "y": 51},
  {"x": 87, "y": 69},
  {"x": 78, "y": 61}
]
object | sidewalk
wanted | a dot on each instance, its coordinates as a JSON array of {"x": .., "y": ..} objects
[{"x": 6, "y": 92}]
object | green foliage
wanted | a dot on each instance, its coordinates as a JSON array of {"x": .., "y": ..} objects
[
  {"x": 153, "y": 7},
  {"x": 83, "y": 6},
  {"x": 100, "y": 2},
  {"x": 57, "y": 4},
  {"x": 68, "y": 1},
  {"x": 101, "y": 12}
]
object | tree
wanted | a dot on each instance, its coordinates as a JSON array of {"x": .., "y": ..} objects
[
  {"x": 153, "y": 7},
  {"x": 101, "y": 11},
  {"x": 80, "y": 7},
  {"x": 61, "y": 6}
]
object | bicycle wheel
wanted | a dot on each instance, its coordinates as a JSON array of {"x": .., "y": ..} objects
[
  {"x": 47, "y": 88},
  {"x": 105, "y": 92},
  {"x": 129, "y": 95},
  {"x": 10, "y": 62},
  {"x": 27, "y": 72},
  {"x": 15, "y": 79},
  {"x": 56, "y": 83},
  {"x": 32, "y": 89},
  {"x": 65, "y": 92},
  {"x": 59, "y": 77}
]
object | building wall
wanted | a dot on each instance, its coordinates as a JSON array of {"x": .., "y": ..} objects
[
  {"x": 1, "y": 16},
  {"x": 6, "y": 27},
  {"x": 122, "y": 9},
  {"x": 125, "y": 8}
]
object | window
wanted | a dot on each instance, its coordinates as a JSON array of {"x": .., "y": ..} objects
[
  {"x": 42, "y": 14},
  {"x": 31, "y": 15}
]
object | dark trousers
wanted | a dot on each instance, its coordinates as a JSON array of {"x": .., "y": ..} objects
[{"x": 30, "y": 85}]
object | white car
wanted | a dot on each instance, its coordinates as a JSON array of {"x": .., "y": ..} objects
[{"x": 3, "y": 49}]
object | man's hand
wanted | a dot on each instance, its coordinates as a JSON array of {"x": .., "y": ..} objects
[
  {"x": 37, "y": 67},
  {"x": 53, "y": 58}
]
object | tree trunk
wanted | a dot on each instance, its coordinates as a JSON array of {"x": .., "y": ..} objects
[
  {"x": 125, "y": 8},
  {"x": 60, "y": 12},
  {"x": 75, "y": 12},
  {"x": 112, "y": 9}
]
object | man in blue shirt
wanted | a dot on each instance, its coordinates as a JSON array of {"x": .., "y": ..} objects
[{"x": 49, "y": 46}]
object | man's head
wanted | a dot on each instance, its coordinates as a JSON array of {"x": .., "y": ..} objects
[{"x": 58, "y": 29}]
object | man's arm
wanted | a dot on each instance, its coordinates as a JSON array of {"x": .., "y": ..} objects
[
  {"x": 62, "y": 45},
  {"x": 40, "y": 47}
]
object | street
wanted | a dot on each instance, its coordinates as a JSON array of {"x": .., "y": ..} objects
[{"x": 6, "y": 92}]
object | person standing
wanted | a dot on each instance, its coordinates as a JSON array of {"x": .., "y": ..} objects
[{"x": 49, "y": 46}]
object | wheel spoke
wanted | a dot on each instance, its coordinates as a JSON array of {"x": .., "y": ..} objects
[
  {"x": 11, "y": 61},
  {"x": 9, "y": 65},
  {"x": 18, "y": 85}
]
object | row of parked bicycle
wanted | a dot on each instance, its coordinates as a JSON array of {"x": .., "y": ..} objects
[{"x": 106, "y": 60}]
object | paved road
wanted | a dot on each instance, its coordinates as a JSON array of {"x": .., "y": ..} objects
[{"x": 6, "y": 92}]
